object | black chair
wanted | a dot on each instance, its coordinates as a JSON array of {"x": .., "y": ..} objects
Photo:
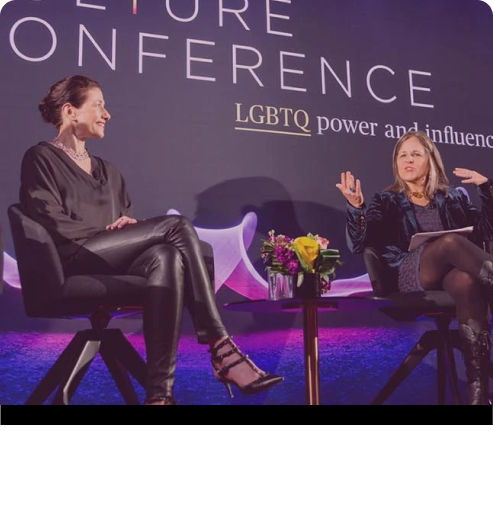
[
  {"x": 408, "y": 307},
  {"x": 47, "y": 293}
]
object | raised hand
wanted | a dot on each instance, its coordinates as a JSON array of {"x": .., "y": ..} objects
[
  {"x": 351, "y": 189},
  {"x": 469, "y": 176},
  {"x": 121, "y": 222}
]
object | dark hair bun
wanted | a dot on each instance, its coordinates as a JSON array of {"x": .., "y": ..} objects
[
  {"x": 46, "y": 112},
  {"x": 71, "y": 90}
]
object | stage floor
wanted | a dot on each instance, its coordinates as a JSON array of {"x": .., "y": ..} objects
[{"x": 354, "y": 365}]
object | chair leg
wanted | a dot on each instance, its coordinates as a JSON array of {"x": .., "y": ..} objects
[
  {"x": 446, "y": 357},
  {"x": 454, "y": 377},
  {"x": 65, "y": 375},
  {"x": 74, "y": 375},
  {"x": 53, "y": 377},
  {"x": 449, "y": 341},
  {"x": 426, "y": 343},
  {"x": 130, "y": 359},
  {"x": 110, "y": 354},
  {"x": 441, "y": 375}
]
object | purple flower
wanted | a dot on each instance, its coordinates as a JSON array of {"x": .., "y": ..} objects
[
  {"x": 324, "y": 285},
  {"x": 293, "y": 266},
  {"x": 284, "y": 255}
]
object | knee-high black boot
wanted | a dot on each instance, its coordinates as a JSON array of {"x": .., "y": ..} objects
[
  {"x": 476, "y": 344},
  {"x": 485, "y": 277},
  {"x": 162, "y": 265}
]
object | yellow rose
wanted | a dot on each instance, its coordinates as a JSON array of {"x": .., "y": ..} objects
[{"x": 307, "y": 250}]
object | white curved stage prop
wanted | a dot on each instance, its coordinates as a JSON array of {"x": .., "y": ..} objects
[{"x": 233, "y": 267}]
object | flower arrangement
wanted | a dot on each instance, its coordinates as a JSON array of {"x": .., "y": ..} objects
[{"x": 283, "y": 255}]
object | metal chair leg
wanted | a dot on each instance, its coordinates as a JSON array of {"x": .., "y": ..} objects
[
  {"x": 72, "y": 379},
  {"x": 453, "y": 342},
  {"x": 53, "y": 377},
  {"x": 446, "y": 358},
  {"x": 130, "y": 359},
  {"x": 119, "y": 373},
  {"x": 426, "y": 343},
  {"x": 68, "y": 370},
  {"x": 441, "y": 375},
  {"x": 454, "y": 378}
]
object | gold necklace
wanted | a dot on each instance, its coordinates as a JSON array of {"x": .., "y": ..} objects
[{"x": 417, "y": 194}]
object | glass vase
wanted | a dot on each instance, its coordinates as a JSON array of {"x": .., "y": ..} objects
[{"x": 280, "y": 285}]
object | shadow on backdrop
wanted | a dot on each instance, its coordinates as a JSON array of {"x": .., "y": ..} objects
[{"x": 225, "y": 204}]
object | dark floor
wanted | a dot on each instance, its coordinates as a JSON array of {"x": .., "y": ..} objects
[{"x": 354, "y": 364}]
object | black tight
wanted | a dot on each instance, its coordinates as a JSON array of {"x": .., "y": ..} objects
[{"x": 452, "y": 262}]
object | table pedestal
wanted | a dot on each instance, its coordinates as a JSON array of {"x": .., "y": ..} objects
[
  {"x": 309, "y": 308},
  {"x": 310, "y": 337}
]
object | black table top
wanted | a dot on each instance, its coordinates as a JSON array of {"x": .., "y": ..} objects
[{"x": 326, "y": 303}]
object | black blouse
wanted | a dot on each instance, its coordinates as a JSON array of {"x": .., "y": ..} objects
[{"x": 71, "y": 204}]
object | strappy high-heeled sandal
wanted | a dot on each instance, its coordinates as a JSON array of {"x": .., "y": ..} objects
[
  {"x": 161, "y": 400},
  {"x": 264, "y": 382}
]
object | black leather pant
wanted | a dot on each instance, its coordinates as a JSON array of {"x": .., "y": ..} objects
[{"x": 166, "y": 251}]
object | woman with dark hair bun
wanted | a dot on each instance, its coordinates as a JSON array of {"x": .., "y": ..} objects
[
  {"x": 82, "y": 201},
  {"x": 422, "y": 200},
  {"x": 71, "y": 90}
]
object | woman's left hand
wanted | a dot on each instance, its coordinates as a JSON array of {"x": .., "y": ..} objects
[
  {"x": 469, "y": 176},
  {"x": 121, "y": 222}
]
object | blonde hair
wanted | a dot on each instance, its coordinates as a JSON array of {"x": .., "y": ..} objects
[{"x": 436, "y": 179}]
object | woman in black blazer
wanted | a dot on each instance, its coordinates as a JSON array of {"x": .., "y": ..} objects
[{"x": 421, "y": 200}]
